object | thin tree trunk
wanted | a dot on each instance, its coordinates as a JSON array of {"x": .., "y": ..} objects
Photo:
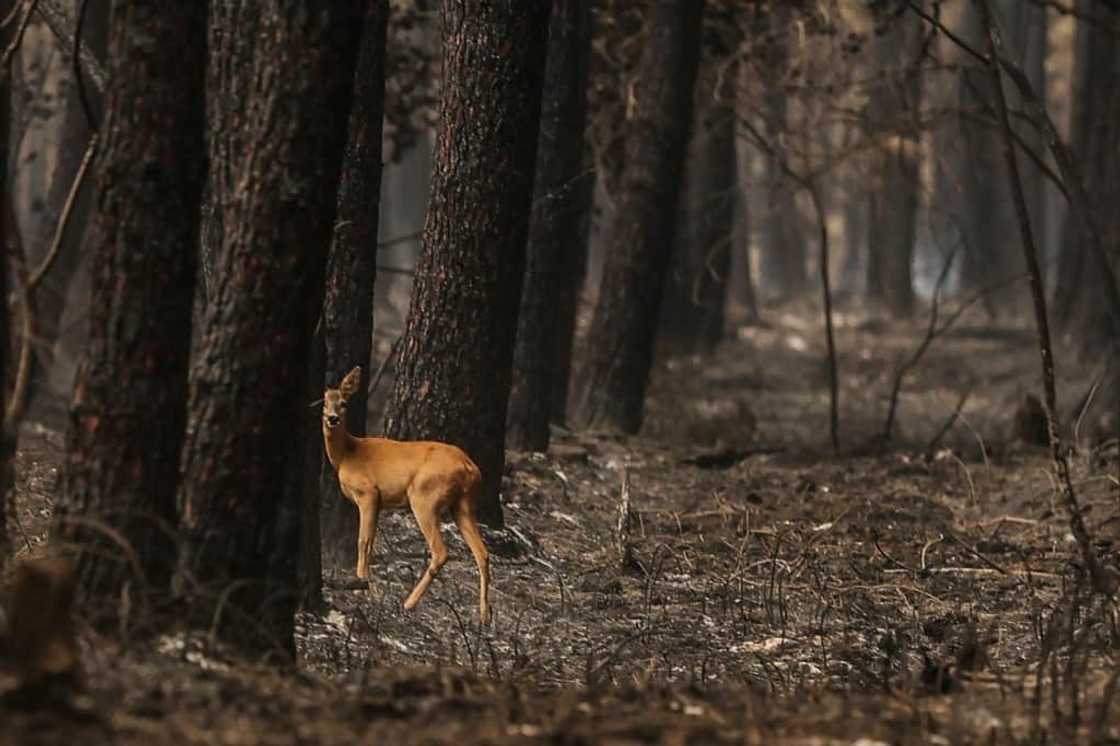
[
  {"x": 894, "y": 200},
  {"x": 557, "y": 228},
  {"x": 624, "y": 325},
  {"x": 784, "y": 255},
  {"x": 453, "y": 379},
  {"x": 1082, "y": 309},
  {"x": 129, "y": 403},
  {"x": 7, "y": 229},
  {"x": 276, "y": 198},
  {"x": 75, "y": 135},
  {"x": 351, "y": 271}
]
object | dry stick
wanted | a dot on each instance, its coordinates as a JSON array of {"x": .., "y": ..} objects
[
  {"x": 810, "y": 185},
  {"x": 1101, "y": 582},
  {"x": 931, "y": 334},
  {"x": 622, "y": 534},
  {"x": 27, "y": 286},
  {"x": 384, "y": 365},
  {"x": 952, "y": 420},
  {"x": 36, "y": 277}
]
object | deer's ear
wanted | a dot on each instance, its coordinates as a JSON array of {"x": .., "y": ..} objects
[{"x": 351, "y": 382}]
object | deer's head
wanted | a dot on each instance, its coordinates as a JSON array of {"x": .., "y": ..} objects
[{"x": 334, "y": 400}]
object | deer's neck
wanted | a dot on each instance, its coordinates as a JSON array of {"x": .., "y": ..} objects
[{"x": 339, "y": 443}]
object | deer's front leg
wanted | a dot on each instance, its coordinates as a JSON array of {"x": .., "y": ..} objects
[{"x": 367, "y": 533}]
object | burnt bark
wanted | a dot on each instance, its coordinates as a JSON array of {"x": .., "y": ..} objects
[
  {"x": 128, "y": 408},
  {"x": 453, "y": 379},
  {"x": 693, "y": 314},
  {"x": 348, "y": 300},
  {"x": 621, "y": 339},
  {"x": 7, "y": 228},
  {"x": 557, "y": 233},
  {"x": 276, "y": 198}
]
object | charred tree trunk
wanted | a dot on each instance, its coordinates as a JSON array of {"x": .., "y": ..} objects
[
  {"x": 1080, "y": 294},
  {"x": 894, "y": 202},
  {"x": 348, "y": 299},
  {"x": 453, "y": 380},
  {"x": 624, "y": 325},
  {"x": 557, "y": 232},
  {"x": 129, "y": 403},
  {"x": 693, "y": 314},
  {"x": 50, "y": 300},
  {"x": 241, "y": 475},
  {"x": 7, "y": 228}
]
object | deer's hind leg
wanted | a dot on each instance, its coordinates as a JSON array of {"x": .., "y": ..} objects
[
  {"x": 426, "y": 511},
  {"x": 468, "y": 527}
]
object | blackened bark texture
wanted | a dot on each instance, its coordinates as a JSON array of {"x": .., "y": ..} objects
[
  {"x": 7, "y": 228},
  {"x": 311, "y": 486},
  {"x": 241, "y": 475},
  {"x": 50, "y": 298},
  {"x": 232, "y": 34},
  {"x": 1081, "y": 308},
  {"x": 624, "y": 325},
  {"x": 453, "y": 379},
  {"x": 348, "y": 300},
  {"x": 693, "y": 312},
  {"x": 894, "y": 199},
  {"x": 129, "y": 404},
  {"x": 557, "y": 232}
]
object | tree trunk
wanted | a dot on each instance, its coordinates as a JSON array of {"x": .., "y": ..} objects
[
  {"x": 693, "y": 314},
  {"x": 7, "y": 228},
  {"x": 351, "y": 268},
  {"x": 984, "y": 210},
  {"x": 557, "y": 229},
  {"x": 1080, "y": 304},
  {"x": 744, "y": 157},
  {"x": 50, "y": 300},
  {"x": 276, "y": 200},
  {"x": 129, "y": 402},
  {"x": 894, "y": 199},
  {"x": 784, "y": 255},
  {"x": 453, "y": 379},
  {"x": 624, "y": 325}
]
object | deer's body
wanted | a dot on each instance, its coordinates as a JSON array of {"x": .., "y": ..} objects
[{"x": 429, "y": 477}]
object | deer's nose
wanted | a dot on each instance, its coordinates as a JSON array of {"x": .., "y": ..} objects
[{"x": 333, "y": 420}]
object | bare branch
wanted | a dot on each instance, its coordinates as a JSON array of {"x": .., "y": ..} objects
[{"x": 36, "y": 277}]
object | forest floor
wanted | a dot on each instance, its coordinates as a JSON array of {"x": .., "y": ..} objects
[{"x": 774, "y": 591}]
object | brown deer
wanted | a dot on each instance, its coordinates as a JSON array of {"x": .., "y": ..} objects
[{"x": 428, "y": 477}]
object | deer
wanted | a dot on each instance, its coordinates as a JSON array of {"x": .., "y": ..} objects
[{"x": 427, "y": 476}]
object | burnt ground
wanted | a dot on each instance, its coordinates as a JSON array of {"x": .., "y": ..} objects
[{"x": 771, "y": 590}]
